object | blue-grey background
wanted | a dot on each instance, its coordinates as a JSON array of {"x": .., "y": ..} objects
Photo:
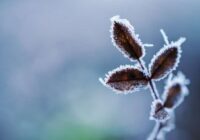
[{"x": 52, "y": 53}]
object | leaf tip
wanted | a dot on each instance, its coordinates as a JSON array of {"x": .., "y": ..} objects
[{"x": 114, "y": 18}]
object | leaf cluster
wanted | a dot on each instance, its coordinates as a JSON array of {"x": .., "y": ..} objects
[{"x": 130, "y": 78}]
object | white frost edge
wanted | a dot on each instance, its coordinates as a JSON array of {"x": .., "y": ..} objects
[
  {"x": 107, "y": 76},
  {"x": 126, "y": 23},
  {"x": 178, "y": 79},
  {"x": 177, "y": 44}
]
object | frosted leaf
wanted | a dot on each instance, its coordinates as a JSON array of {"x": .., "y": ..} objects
[
  {"x": 166, "y": 60},
  {"x": 125, "y": 39},
  {"x": 125, "y": 79},
  {"x": 175, "y": 91},
  {"x": 158, "y": 112}
]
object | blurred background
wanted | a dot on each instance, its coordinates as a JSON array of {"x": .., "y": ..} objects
[{"x": 53, "y": 52}]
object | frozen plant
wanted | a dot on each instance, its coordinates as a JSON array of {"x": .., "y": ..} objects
[{"x": 127, "y": 79}]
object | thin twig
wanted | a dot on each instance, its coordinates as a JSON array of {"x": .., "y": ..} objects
[
  {"x": 141, "y": 64},
  {"x": 151, "y": 83},
  {"x": 155, "y": 97},
  {"x": 154, "y": 89}
]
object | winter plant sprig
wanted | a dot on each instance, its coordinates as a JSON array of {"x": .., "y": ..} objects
[{"x": 130, "y": 78}]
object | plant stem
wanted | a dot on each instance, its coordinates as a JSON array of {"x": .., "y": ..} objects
[
  {"x": 155, "y": 96},
  {"x": 141, "y": 64},
  {"x": 154, "y": 90},
  {"x": 151, "y": 83},
  {"x": 158, "y": 127}
]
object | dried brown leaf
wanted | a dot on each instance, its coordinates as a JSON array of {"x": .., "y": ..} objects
[
  {"x": 164, "y": 62},
  {"x": 124, "y": 38},
  {"x": 175, "y": 91},
  {"x": 173, "y": 95},
  {"x": 125, "y": 79}
]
